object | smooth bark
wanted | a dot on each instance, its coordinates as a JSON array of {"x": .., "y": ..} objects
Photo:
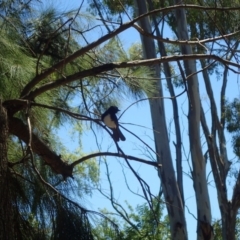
[
  {"x": 166, "y": 173},
  {"x": 204, "y": 228},
  {"x": 218, "y": 157},
  {"x": 168, "y": 75}
]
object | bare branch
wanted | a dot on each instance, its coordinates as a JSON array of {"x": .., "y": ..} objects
[
  {"x": 177, "y": 42},
  {"x": 99, "y": 154}
]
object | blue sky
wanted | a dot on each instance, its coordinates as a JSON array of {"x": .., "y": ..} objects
[{"x": 139, "y": 115}]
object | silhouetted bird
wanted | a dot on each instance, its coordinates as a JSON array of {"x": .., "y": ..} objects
[{"x": 111, "y": 121}]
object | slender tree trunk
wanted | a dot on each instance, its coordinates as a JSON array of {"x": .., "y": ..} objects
[
  {"x": 6, "y": 213},
  {"x": 166, "y": 173},
  {"x": 218, "y": 157},
  {"x": 204, "y": 229},
  {"x": 168, "y": 75},
  {"x": 218, "y": 160},
  {"x": 230, "y": 209}
]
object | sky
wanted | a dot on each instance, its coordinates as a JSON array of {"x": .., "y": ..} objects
[{"x": 136, "y": 116}]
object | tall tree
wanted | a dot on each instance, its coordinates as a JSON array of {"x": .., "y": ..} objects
[
  {"x": 49, "y": 61},
  {"x": 204, "y": 230},
  {"x": 40, "y": 65},
  {"x": 163, "y": 152},
  {"x": 199, "y": 21}
]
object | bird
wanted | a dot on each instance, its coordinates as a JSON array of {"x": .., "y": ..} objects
[{"x": 111, "y": 121}]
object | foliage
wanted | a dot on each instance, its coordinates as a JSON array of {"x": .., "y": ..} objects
[
  {"x": 52, "y": 74},
  {"x": 206, "y": 28},
  {"x": 42, "y": 205},
  {"x": 33, "y": 40},
  {"x": 218, "y": 229},
  {"x": 150, "y": 223},
  {"x": 145, "y": 224},
  {"x": 232, "y": 123},
  {"x": 109, "y": 7}
]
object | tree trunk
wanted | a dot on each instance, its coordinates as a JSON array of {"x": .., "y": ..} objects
[
  {"x": 204, "y": 229},
  {"x": 168, "y": 75},
  {"x": 166, "y": 173},
  {"x": 6, "y": 208}
]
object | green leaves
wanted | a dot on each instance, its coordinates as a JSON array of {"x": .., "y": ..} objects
[
  {"x": 146, "y": 224},
  {"x": 232, "y": 116},
  {"x": 16, "y": 67},
  {"x": 135, "y": 81}
]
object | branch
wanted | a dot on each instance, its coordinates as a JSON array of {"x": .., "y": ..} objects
[
  {"x": 58, "y": 193},
  {"x": 99, "y": 154},
  {"x": 196, "y": 42},
  {"x": 72, "y": 57},
  {"x": 116, "y": 206},
  {"x": 111, "y": 66},
  {"x": 110, "y": 35},
  {"x": 19, "y": 129}
]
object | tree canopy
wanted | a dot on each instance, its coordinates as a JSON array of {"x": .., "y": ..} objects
[{"x": 65, "y": 67}]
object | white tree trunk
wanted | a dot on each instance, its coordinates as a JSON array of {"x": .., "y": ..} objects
[
  {"x": 166, "y": 173},
  {"x": 204, "y": 230}
]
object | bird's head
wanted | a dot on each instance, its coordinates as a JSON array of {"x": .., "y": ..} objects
[{"x": 114, "y": 109}]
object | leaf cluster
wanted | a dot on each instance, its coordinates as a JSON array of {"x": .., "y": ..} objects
[
  {"x": 109, "y": 8},
  {"x": 232, "y": 123},
  {"x": 145, "y": 224}
]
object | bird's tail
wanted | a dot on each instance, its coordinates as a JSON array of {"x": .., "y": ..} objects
[{"x": 117, "y": 135}]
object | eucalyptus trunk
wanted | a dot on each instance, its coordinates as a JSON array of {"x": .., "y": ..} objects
[
  {"x": 204, "y": 229},
  {"x": 168, "y": 74},
  {"x": 166, "y": 172},
  {"x": 219, "y": 159}
]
